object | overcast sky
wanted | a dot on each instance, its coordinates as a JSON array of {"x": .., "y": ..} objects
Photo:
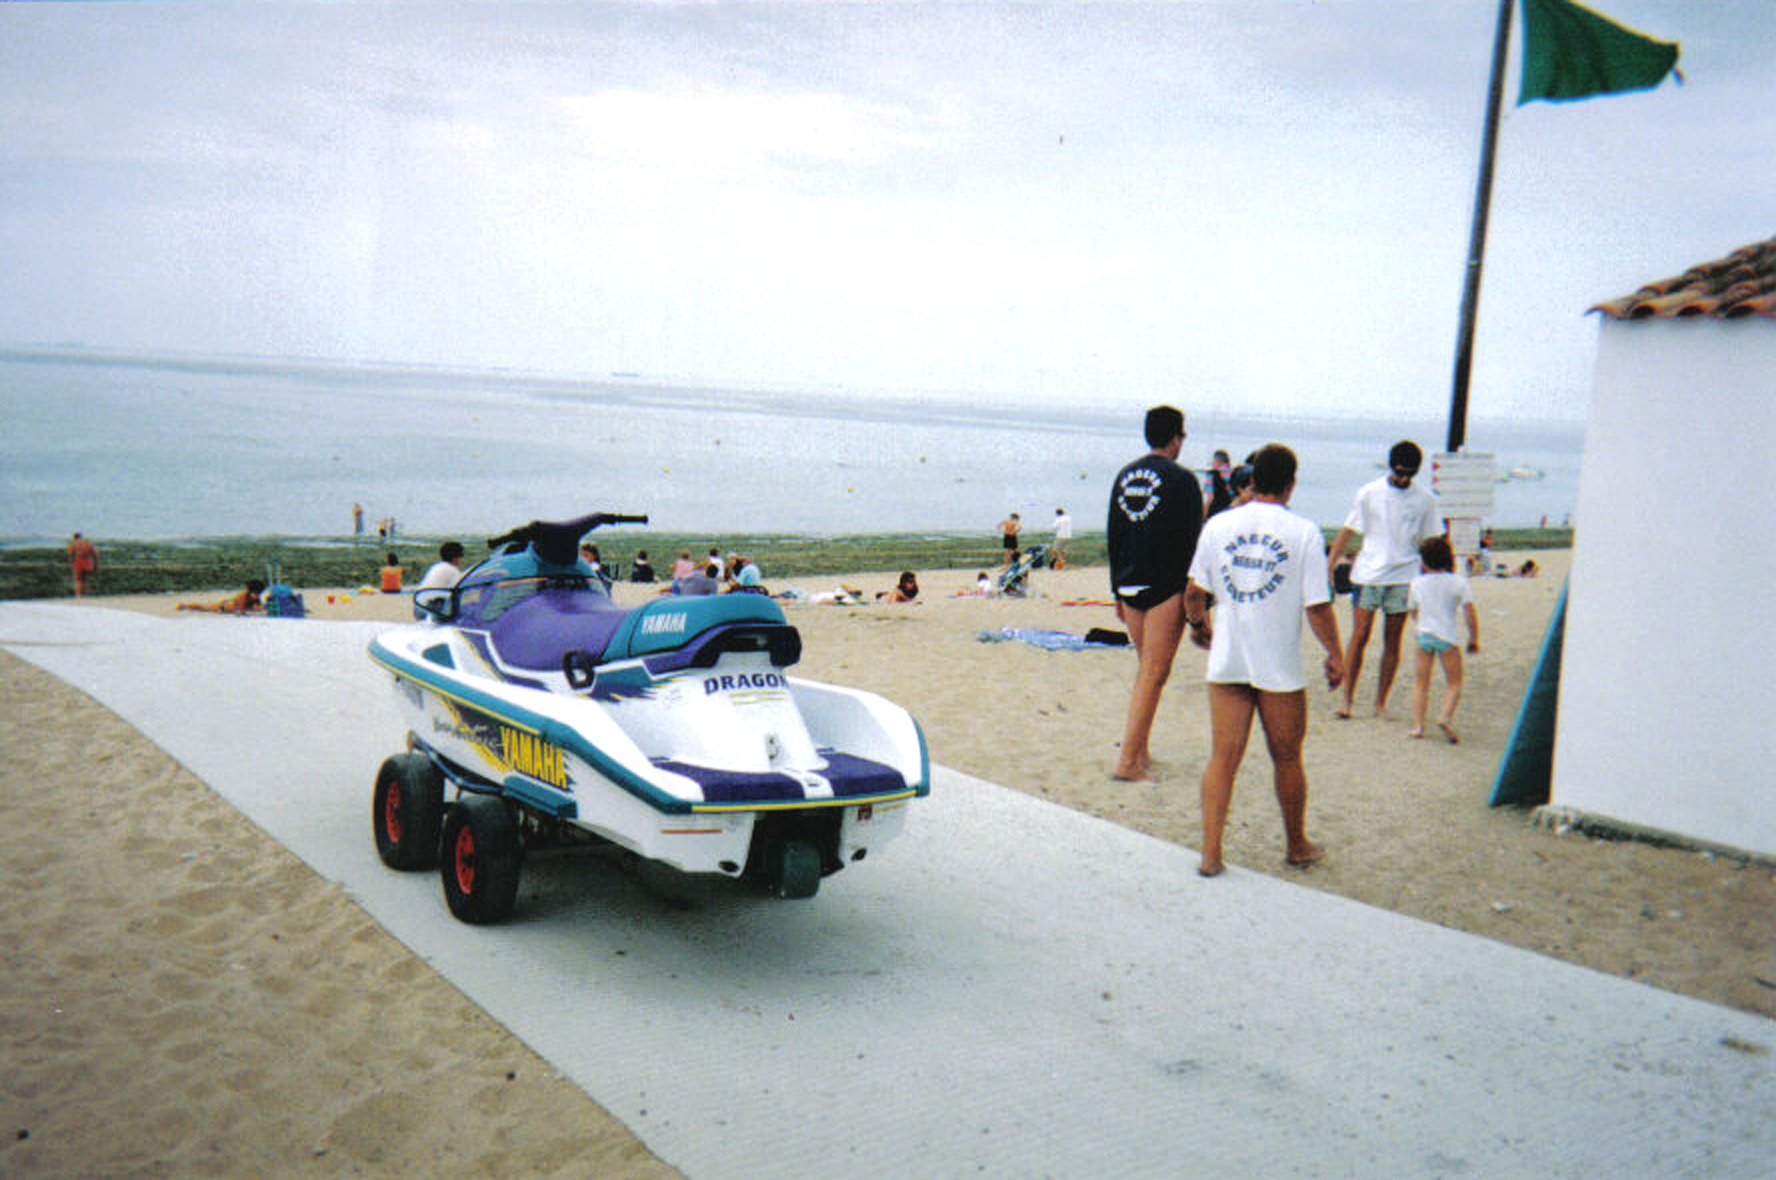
[{"x": 1251, "y": 203}]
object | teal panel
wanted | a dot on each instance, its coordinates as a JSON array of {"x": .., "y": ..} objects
[{"x": 1526, "y": 774}]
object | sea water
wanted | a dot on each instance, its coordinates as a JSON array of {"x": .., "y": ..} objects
[{"x": 142, "y": 447}]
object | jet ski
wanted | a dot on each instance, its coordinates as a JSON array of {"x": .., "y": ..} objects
[{"x": 540, "y": 712}]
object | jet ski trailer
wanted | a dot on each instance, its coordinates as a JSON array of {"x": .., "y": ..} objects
[{"x": 548, "y": 714}]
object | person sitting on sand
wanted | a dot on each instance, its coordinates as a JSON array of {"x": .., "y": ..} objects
[
  {"x": 983, "y": 584},
  {"x": 589, "y": 555},
  {"x": 391, "y": 575},
  {"x": 446, "y": 570},
  {"x": 905, "y": 590},
  {"x": 1434, "y": 597},
  {"x": 246, "y": 602},
  {"x": 640, "y": 568},
  {"x": 746, "y": 578},
  {"x": 697, "y": 582}
]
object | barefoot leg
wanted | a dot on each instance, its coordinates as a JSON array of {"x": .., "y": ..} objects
[
  {"x": 1361, "y": 622},
  {"x": 1156, "y": 633},
  {"x": 1284, "y": 716},
  {"x": 1230, "y": 723}
]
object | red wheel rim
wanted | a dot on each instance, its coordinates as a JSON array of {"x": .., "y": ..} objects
[
  {"x": 391, "y": 813},
  {"x": 465, "y": 862}
]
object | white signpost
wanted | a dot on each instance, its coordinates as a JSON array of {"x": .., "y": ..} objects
[{"x": 1464, "y": 485}]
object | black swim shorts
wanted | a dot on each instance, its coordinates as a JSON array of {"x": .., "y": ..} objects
[{"x": 1148, "y": 597}]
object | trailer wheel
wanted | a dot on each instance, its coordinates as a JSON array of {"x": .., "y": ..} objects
[
  {"x": 483, "y": 854},
  {"x": 798, "y": 870},
  {"x": 406, "y": 810}
]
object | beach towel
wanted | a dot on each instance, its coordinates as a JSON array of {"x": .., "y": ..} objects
[{"x": 1047, "y": 640}]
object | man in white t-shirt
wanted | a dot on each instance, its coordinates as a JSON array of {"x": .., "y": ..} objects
[
  {"x": 444, "y": 572},
  {"x": 1261, "y": 569},
  {"x": 1063, "y": 529},
  {"x": 1394, "y": 518}
]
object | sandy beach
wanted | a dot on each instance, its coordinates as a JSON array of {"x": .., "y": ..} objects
[{"x": 187, "y": 998}]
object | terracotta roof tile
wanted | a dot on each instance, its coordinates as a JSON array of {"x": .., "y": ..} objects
[{"x": 1741, "y": 284}]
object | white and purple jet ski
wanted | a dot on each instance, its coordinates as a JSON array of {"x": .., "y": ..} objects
[{"x": 672, "y": 730}]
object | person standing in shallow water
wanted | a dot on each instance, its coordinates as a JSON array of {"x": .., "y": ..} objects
[
  {"x": 1155, "y": 514},
  {"x": 1260, "y": 569}
]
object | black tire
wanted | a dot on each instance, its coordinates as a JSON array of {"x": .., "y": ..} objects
[
  {"x": 482, "y": 857},
  {"x": 407, "y": 811}
]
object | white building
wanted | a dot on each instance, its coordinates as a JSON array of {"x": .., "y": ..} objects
[{"x": 1667, "y": 714}]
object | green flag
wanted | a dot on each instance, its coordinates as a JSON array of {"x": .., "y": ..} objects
[{"x": 1571, "y": 52}]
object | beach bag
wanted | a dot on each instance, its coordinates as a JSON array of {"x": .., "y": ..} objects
[{"x": 281, "y": 602}]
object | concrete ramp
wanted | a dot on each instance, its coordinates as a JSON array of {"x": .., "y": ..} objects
[{"x": 1011, "y": 990}]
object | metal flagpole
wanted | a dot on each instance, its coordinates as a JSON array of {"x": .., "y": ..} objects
[{"x": 1464, "y": 349}]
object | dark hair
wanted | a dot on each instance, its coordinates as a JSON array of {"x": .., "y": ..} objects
[
  {"x": 1437, "y": 555},
  {"x": 1239, "y": 477},
  {"x": 450, "y": 550},
  {"x": 393, "y": 560},
  {"x": 1406, "y": 454},
  {"x": 255, "y": 586},
  {"x": 1164, "y": 423},
  {"x": 1273, "y": 469}
]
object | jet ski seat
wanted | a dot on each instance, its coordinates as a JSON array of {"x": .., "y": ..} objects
[
  {"x": 557, "y": 629},
  {"x": 535, "y": 634}
]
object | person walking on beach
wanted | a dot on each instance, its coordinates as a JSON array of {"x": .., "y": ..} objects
[
  {"x": 1258, "y": 570},
  {"x": 1393, "y": 517},
  {"x": 1154, "y": 517},
  {"x": 357, "y": 520},
  {"x": 1008, "y": 536},
  {"x": 1436, "y": 596},
  {"x": 1063, "y": 532},
  {"x": 83, "y": 559}
]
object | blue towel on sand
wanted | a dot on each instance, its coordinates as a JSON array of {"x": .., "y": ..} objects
[{"x": 1048, "y": 640}]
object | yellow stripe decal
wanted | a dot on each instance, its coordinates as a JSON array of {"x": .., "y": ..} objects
[{"x": 800, "y": 804}]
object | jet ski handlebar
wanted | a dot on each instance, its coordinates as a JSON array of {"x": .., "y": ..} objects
[{"x": 558, "y": 541}]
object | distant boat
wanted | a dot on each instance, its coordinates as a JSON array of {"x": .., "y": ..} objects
[{"x": 1526, "y": 473}]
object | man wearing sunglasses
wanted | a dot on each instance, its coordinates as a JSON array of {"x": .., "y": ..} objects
[{"x": 1393, "y": 517}]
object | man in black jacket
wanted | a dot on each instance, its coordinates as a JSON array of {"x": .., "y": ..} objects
[{"x": 1156, "y": 512}]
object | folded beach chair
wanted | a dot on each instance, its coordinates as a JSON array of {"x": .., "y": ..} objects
[{"x": 1013, "y": 580}]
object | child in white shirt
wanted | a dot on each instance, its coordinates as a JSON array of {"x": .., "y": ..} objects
[{"x": 1435, "y": 597}]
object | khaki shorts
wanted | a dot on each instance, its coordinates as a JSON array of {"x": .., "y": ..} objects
[{"x": 1389, "y": 600}]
